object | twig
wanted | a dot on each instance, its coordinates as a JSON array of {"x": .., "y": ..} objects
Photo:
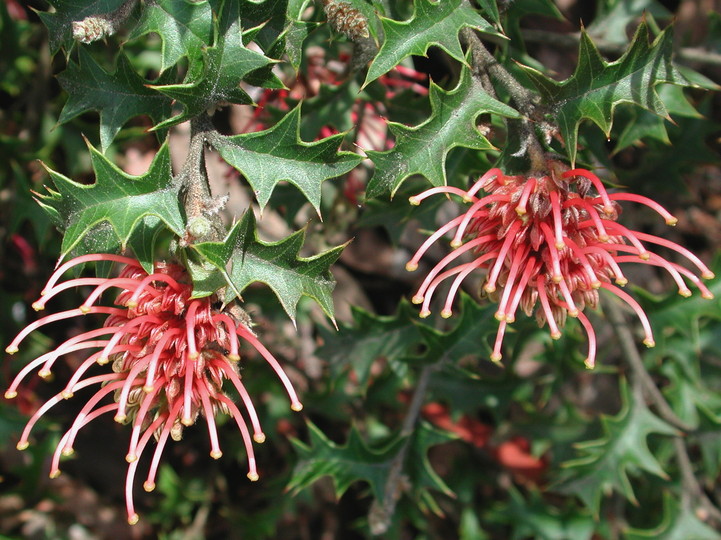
[
  {"x": 632, "y": 356},
  {"x": 201, "y": 208},
  {"x": 381, "y": 514},
  {"x": 645, "y": 384},
  {"x": 485, "y": 67}
]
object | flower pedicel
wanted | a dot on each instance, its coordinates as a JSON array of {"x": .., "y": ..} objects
[
  {"x": 170, "y": 356},
  {"x": 553, "y": 240}
]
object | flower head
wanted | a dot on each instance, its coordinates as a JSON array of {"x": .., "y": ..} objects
[
  {"x": 552, "y": 240},
  {"x": 170, "y": 355}
]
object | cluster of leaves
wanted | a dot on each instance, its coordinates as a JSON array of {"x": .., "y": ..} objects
[{"x": 447, "y": 444}]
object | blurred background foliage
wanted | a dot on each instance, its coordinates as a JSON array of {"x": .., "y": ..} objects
[{"x": 540, "y": 449}]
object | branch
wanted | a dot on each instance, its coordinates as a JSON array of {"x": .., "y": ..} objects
[
  {"x": 633, "y": 357},
  {"x": 380, "y": 515},
  {"x": 201, "y": 208},
  {"x": 485, "y": 67},
  {"x": 643, "y": 381}
]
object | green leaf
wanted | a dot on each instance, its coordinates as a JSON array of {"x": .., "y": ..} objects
[
  {"x": 118, "y": 97},
  {"x": 184, "y": 27},
  {"x": 597, "y": 87},
  {"x": 433, "y": 23},
  {"x": 276, "y": 264},
  {"x": 369, "y": 338},
  {"x": 606, "y": 462},
  {"x": 66, "y": 12},
  {"x": 344, "y": 464},
  {"x": 678, "y": 522},
  {"x": 215, "y": 80},
  {"x": 423, "y": 149},
  {"x": 612, "y": 23},
  {"x": 467, "y": 338},
  {"x": 275, "y": 155},
  {"x": 117, "y": 202},
  {"x": 356, "y": 461}
]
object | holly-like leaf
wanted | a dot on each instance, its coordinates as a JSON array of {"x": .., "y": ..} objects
[
  {"x": 59, "y": 22},
  {"x": 344, "y": 464},
  {"x": 118, "y": 97},
  {"x": 355, "y": 461},
  {"x": 275, "y": 155},
  {"x": 276, "y": 264},
  {"x": 217, "y": 78},
  {"x": 678, "y": 522},
  {"x": 467, "y": 338},
  {"x": 597, "y": 86},
  {"x": 184, "y": 27},
  {"x": 611, "y": 24},
  {"x": 369, "y": 338},
  {"x": 117, "y": 203},
  {"x": 423, "y": 149},
  {"x": 433, "y": 23},
  {"x": 279, "y": 22},
  {"x": 606, "y": 462}
]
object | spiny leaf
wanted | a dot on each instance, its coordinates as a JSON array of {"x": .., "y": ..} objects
[
  {"x": 275, "y": 155},
  {"x": 369, "y": 338},
  {"x": 678, "y": 522},
  {"x": 423, "y": 149},
  {"x": 597, "y": 86},
  {"x": 611, "y": 24},
  {"x": 433, "y": 23},
  {"x": 279, "y": 22},
  {"x": 117, "y": 97},
  {"x": 184, "y": 27},
  {"x": 117, "y": 202},
  {"x": 355, "y": 461},
  {"x": 276, "y": 264},
  {"x": 217, "y": 78},
  {"x": 66, "y": 12},
  {"x": 606, "y": 462}
]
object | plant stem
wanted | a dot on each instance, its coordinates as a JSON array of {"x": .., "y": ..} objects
[
  {"x": 691, "y": 489},
  {"x": 633, "y": 357},
  {"x": 485, "y": 67},
  {"x": 381, "y": 513}
]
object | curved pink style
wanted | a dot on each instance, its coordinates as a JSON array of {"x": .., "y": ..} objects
[
  {"x": 553, "y": 239},
  {"x": 170, "y": 357}
]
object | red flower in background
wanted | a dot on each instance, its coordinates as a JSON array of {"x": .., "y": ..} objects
[
  {"x": 551, "y": 240},
  {"x": 170, "y": 356}
]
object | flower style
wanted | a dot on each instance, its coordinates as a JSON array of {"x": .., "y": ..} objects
[
  {"x": 170, "y": 356},
  {"x": 554, "y": 239}
]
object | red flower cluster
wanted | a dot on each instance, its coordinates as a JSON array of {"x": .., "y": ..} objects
[
  {"x": 170, "y": 356},
  {"x": 553, "y": 239}
]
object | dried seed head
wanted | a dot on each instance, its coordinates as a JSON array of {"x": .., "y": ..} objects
[{"x": 347, "y": 20}]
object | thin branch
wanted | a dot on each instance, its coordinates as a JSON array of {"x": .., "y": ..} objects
[
  {"x": 633, "y": 357},
  {"x": 486, "y": 67},
  {"x": 381, "y": 514}
]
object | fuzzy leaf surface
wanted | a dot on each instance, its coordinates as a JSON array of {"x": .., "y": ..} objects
[
  {"x": 117, "y": 96},
  {"x": 278, "y": 154},
  {"x": 59, "y": 23},
  {"x": 117, "y": 202},
  {"x": 423, "y": 149},
  {"x": 217, "y": 78},
  {"x": 597, "y": 86},
  {"x": 433, "y": 23},
  {"x": 277, "y": 264}
]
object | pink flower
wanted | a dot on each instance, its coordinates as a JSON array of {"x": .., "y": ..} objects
[
  {"x": 551, "y": 240},
  {"x": 170, "y": 356}
]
